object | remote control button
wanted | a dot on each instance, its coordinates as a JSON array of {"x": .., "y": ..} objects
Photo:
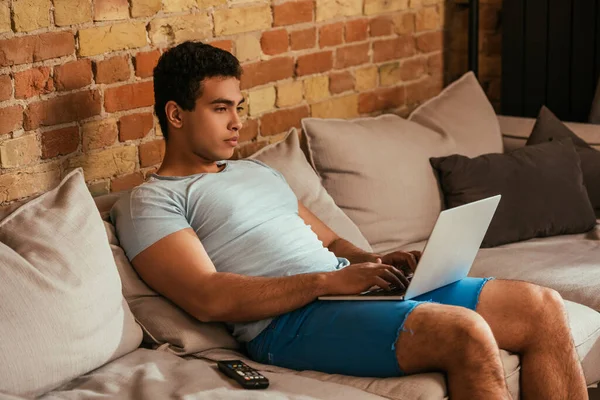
[{"x": 240, "y": 373}]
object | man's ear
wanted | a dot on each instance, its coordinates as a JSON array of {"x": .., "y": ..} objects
[{"x": 174, "y": 115}]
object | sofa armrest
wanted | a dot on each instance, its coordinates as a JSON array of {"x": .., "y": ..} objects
[{"x": 516, "y": 130}]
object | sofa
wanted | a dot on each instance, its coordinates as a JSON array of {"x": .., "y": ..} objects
[{"x": 128, "y": 342}]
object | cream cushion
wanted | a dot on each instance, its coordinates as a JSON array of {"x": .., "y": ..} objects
[
  {"x": 62, "y": 310},
  {"x": 287, "y": 157},
  {"x": 377, "y": 170},
  {"x": 463, "y": 112}
]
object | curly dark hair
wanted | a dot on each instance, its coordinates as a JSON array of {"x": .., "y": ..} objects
[{"x": 180, "y": 71}]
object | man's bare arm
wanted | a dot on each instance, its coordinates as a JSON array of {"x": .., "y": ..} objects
[
  {"x": 338, "y": 246},
  {"x": 179, "y": 268}
]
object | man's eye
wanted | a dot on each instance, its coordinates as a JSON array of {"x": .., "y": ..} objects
[
  {"x": 220, "y": 109},
  {"x": 240, "y": 109}
]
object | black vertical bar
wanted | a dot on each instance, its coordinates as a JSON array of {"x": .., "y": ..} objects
[
  {"x": 558, "y": 94},
  {"x": 597, "y": 76},
  {"x": 474, "y": 36},
  {"x": 536, "y": 35},
  {"x": 512, "y": 57},
  {"x": 582, "y": 62}
]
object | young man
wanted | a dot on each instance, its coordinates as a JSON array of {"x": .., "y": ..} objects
[{"x": 229, "y": 241}]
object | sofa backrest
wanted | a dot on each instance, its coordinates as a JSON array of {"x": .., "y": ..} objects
[{"x": 516, "y": 130}]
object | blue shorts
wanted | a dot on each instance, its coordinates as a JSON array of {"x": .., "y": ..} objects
[{"x": 355, "y": 338}]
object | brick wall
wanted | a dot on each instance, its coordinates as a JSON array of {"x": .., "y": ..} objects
[
  {"x": 76, "y": 75},
  {"x": 490, "y": 44}
]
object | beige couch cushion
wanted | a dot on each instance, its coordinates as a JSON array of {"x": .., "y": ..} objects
[
  {"x": 287, "y": 158},
  {"x": 62, "y": 310},
  {"x": 463, "y": 112},
  {"x": 377, "y": 170},
  {"x": 150, "y": 374}
]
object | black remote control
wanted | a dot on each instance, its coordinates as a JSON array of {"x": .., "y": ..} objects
[{"x": 246, "y": 376}]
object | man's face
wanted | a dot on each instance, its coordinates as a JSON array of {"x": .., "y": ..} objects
[{"x": 212, "y": 128}]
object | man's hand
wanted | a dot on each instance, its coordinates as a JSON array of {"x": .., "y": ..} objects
[
  {"x": 403, "y": 260},
  {"x": 357, "y": 278}
]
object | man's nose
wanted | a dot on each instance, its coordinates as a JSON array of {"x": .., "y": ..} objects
[{"x": 236, "y": 122}]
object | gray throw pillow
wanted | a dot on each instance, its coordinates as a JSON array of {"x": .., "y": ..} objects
[
  {"x": 549, "y": 128},
  {"x": 541, "y": 186}
]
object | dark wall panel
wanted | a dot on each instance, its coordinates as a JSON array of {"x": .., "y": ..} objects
[
  {"x": 551, "y": 56},
  {"x": 513, "y": 13},
  {"x": 583, "y": 58},
  {"x": 558, "y": 97},
  {"x": 536, "y": 48}
]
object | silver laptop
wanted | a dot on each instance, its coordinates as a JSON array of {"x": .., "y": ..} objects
[{"x": 448, "y": 254}]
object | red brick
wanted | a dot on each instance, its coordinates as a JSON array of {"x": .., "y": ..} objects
[
  {"x": 226, "y": 45},
  {"x": 281, "y": 121},
  {"x": 145, "y": 63},
  {"x": 33, "y": 82},
  {"x": 135, "y": 126},
  {"x": 340, "y": 82},
  {"x": 392, "y": 49},
  {"x": 128, "y": 97},
  {"x": 262, "y": 72},
  {"x": 126, "y": 182},
  {"x": 152, "y": 153},
  {"x": 423, "y": 90},
  {"x": 352, "y": 55},
  {"x": 356, "y": 30},
  {"x": 492, "y": 44},
  {"x": 274, "y": 42},
  {"x": 331, "y": 35},
  {"x": 248, "y": 150},
  {"x": 489, "y": 17},
  {"x": 111, "y": 70},
  {"x": 5, "y": 87},
  {"x": 428, "y": 42},
  {"x": 293, "y": 12},
  {"x": 304, "y": 39},
  {"x": 435, "y": 64},
  {"x": 314, "y": 63},
  {"x": 27, "y": 49},
  {"x": 381, "y": 26},
  {"x": 413, "y": 69},
  {"x": 249, "y": 131},
  {"x": 381, "y": 99},
  {"x": 11, "y": 119},
  {"x": 66, "y": 108},
  {"x": 60, "y": 142},
  {"x": 73, "y": 75}
]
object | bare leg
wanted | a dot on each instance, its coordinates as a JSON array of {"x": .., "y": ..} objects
[
  {"x": 457, "y": 341},
  {"x": 531, "y": 320}
]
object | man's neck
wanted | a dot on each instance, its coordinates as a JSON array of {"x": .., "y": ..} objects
[{"x": 180, "y": 165}]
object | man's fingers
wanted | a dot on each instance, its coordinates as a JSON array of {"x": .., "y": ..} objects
[
  {"x": 417, "y": 255},
  {"x": 400, "y": 274},
  {"x": 382, "y": 283},
  {"x": 394, "y": 279}
]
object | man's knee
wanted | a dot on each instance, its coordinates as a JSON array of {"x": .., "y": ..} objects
[
  {"x": 541, "y": 304},
  {"x": 471, "y": 338},
  {"x": 445, "y": 337}
]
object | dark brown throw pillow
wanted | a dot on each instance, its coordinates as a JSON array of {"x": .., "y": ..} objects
[
  {"x": 548, "y": 128},
  {"x": 541, "y": 186}
]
